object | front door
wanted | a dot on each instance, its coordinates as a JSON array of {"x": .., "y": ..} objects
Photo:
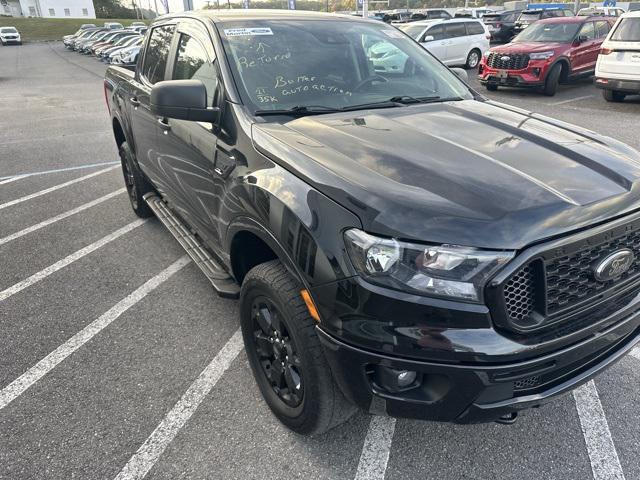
[
  {"x": 586, "y": 54},
  {"x": 437, "y": 44},
  {"x": 187, "y": 149},
  {"x": 151, "y": 70}
]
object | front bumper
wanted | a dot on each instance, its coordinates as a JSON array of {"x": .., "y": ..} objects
[
  {"x": 467, "y": 393},
  {"x": 11, "y": 40},
  {"x": 626, "y": 86},
  {"x": 533, "y": 75}
]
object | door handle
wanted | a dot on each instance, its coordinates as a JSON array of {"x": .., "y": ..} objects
[
  {"x": 164, "y": 125},
  {"x": 134, "y": 101}
]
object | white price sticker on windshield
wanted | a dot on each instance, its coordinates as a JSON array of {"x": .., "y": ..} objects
[
  {"x": 241, "y": 32},
  {"x": 393, "y": 33}
]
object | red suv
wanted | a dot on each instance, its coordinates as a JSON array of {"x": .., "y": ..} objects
[{"x": 546, "y": 53}]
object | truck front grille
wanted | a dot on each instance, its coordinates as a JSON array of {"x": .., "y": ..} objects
[
  {"x": 508, "y": 61},
  {"x": 555, "y": 284}
]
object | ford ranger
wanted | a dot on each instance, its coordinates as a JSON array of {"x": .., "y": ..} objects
[{"x": 397, "y": 241}]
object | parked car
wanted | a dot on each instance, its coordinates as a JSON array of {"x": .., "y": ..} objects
[
  {"x": 121, "y": 44},
  {"x": 113, "y": 25},
  {"x": 10, "y": 35},
  {"x": 84, "y": 26},
  {"x": 471, "y": 12},
  {"x": 91, "y": 36},
  {"x": 549, "y": 52},
  {"x": 110, "y": 40},
  {"x": 600, "y": 11},
  {"x": 501, "y": 24},
  {"x": 138, "y": 24},
  {"x": 399, "y": 17},
  {"x": 125, "y": 56},
  {"x": 618, "y": 66},
  {"x": 430, "y": 14},
  {"x": 389, "y": 246},
  {"x": 69, "y": 40},
  {"x": 527, "y": 17},
  {"x": 459, "y": 41}
]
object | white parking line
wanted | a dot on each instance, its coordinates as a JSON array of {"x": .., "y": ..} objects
[
  {"x": 605, "y": 463},
  {"x": 18, "y": 176},
  {"x": 66, "y": 214},
  {"x": 48, "y": 363},
  {"x": 36, "y": 277},
  {"x": 55, "y": 187},
  {"x": 576, "y": 99},
  {"x": 376, "y": 449},
  {"x": 148, "y": 454}
]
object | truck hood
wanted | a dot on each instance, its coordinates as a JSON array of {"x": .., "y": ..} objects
[{"x": 469, "y": 172}]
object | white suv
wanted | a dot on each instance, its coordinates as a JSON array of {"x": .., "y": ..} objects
[
  {"x": 459, "y": 41},
  {"x": 10, "y": 35},
  {"x": 618, "y": 66}
]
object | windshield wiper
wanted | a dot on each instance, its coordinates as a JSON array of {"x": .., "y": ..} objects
[{"x": 298, "y": 110}]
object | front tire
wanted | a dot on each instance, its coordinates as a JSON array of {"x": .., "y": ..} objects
[
  {"x": 613, "y": 96},
  {"x": 553, "y": 79},
  {"x": 285, "y": 353},
  {"x": 137, "y": 185},
  {"x": 473, "y": 59}
]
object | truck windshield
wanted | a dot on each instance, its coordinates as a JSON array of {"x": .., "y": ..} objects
[
  {"x": 281, "y": 64},
  {"x": 548, "y": 32}
]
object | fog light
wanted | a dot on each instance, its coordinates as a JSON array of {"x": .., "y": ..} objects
[
  {"x": 536, "y": 72},
  {"x": 394, "y": 380}
]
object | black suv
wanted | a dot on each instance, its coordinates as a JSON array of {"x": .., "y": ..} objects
[
  {"x": 527, "y": 17},
  {"x": 397, "y": 241},
  {"x": 501, "y": 24}
]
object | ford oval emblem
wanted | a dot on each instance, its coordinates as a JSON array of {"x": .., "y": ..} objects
[
  {"x": 505, "y": 58},
  {"x": 614, "y": 265}
]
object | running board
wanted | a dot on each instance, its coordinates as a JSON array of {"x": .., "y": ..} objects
[{"x": 223, "y": 284}]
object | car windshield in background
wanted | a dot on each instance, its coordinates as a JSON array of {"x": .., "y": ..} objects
[
  {"x": 529, "y": 17},
  {"x": 8, "y": 30},
  {"x": 414, "y": 31},
  {"x": 331, "y": 65},
  {"x": 628, "y": 30},
  {"x": 549, "y": 32}
]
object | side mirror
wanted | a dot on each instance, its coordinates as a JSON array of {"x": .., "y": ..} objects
[
  {"x": 461, "y": 73},
  {"x": 428, "y": 38},
  {"x": 581, "y": 39},
  {"x": 183, "y": 100}
]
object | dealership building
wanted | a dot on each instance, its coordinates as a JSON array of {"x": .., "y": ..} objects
[{"x": 48, "y": 8}]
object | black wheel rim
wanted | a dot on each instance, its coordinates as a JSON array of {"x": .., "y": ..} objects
[
  {"x": 276, "y": 352},
  {"x": 130, "y": 183}
]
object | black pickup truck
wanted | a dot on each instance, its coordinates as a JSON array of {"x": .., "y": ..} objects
[{"x": 397, "y": 241}]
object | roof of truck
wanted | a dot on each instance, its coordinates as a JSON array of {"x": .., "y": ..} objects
[{"x": 261, "y": 14}]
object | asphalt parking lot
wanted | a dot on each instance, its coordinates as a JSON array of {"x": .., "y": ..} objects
[{"x": 117, "y": 360}]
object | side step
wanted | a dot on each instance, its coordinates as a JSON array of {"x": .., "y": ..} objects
[{"x": 223, "y": 284}]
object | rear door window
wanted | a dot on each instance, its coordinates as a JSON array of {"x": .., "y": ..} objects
[
  {"x": 628, "y": 30},
  {"x": 157, "y": 54},
  {"x": 474, "y": 28},
  {"x": 453, "y": 30}
]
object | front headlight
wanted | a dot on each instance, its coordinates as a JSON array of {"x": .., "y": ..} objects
[
  {"x": 434, "y": 270},
  {"x": 541, "y": 55}
]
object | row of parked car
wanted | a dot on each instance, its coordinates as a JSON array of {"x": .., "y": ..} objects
[{"x": 111, "y": 43}]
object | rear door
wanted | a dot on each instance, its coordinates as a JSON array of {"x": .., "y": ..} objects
[
  {"x": 151, "y": 69},
  {"x": 457, "y": 43},
  {"x": 187, "y": 149}
]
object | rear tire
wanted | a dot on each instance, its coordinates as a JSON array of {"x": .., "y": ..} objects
[
  {"x": 137, "y": 185},
  {"x": 473, "y": 59},
  {"x": 299, "y": 389},
  {"x": 553, "y": 79},
  {"x": 613, "y": 95},
  {"x": 491, "y": 87}
]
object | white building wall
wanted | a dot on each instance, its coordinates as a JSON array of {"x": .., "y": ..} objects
[{"x": 58, "y": 8}]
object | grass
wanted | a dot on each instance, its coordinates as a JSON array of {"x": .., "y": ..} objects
[{"x": 43, "y": 29}]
